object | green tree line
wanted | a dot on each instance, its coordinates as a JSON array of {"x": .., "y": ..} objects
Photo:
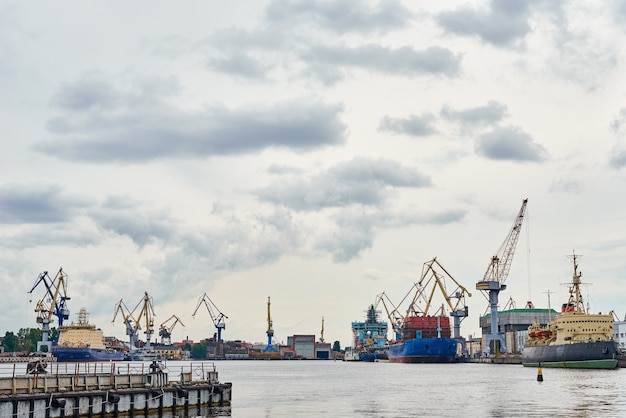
[{"x": 25, "y": 340}]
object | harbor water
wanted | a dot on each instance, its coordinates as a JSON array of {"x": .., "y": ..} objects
[
  {"x": 301, "y": 388},
  {"x": 326, "y": 388}
]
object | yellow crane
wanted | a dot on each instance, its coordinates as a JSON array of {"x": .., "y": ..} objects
[
  {"x": 146, "y": 313},
  {"x": 53, "y": 303}
]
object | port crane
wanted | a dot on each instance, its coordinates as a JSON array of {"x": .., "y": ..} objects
[
  {"x": 270, "y": 329},
  {"x": 495, "y": 276},
  {"x": 129, "y": 321},
  {"x": 394, "y": 315},
  {"x": 165, "y": 330},
  {"x": 146, "y": 313},
  {"x": 216, "y": 315},
  {"x": 435, "y": 276},
  {"x": 53, "y": 303}
]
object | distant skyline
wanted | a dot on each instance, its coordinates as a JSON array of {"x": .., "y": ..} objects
[{"x": 317, "y": 152}]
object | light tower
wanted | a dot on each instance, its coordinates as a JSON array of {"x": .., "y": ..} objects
[{"x": 495, "y": 276}]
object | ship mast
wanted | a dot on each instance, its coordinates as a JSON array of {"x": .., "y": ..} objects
[{"x": 575, "y": 302}]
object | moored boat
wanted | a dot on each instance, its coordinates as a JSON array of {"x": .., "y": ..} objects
[
  {"x": 82, "y": 341},
  {"x": 369, "y": 338},
  {"x": 575, "y": 339}
]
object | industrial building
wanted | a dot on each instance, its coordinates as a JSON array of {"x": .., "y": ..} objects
[{"x": 514, "y": 323}]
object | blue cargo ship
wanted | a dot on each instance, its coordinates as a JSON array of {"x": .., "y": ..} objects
[
  {"x": 425, "y": 339},
  {"x": 428, "y": 350}
]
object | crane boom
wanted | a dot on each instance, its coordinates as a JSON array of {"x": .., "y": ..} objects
[
  {"x": 165, "y": 329},
  {"x": 500, "y": 265},
  {"x": 216, "y": 315}
]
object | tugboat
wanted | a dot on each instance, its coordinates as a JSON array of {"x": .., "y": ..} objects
[{"x": 575, "y": 339}]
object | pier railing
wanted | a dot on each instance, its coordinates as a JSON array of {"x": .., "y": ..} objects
[{"x": 42, "y": 377}]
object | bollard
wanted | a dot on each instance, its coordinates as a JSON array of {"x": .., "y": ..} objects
[{"x": 539, "y": 374}]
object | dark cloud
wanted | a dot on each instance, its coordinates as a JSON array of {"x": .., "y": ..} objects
[
  {"x": 359, "y": 181},
  {"x": 341, "y": 16},
  {"x": 141, "y": 127},
  {"x": 38, "y": 204},
  {"x": 490, "y": 114},
  {"x": 504, "y": 23},
  {"x": 509, "y": 143}
]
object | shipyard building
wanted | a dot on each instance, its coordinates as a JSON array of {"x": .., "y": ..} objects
[{"x": 514, "y": 323}]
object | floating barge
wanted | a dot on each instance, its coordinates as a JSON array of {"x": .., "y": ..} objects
[{"x": 113, "y": 389}]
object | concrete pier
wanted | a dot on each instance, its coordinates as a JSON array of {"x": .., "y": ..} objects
[{"x": 110, "y": 390}]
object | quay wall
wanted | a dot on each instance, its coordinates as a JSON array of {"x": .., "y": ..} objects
[
  {"x": 111, "y": 390},
  {"x": 114, "y": 403}
]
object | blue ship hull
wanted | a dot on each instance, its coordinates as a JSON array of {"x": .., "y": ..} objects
[
  {"x": 427, "y": 350},
  {"x": 85, "y": 354}
]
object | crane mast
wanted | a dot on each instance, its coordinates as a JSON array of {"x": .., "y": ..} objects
[
  {"x": 270, "y": 329},
  {"x": 53, "y": 303},
  {"x": 147, "y": 314},
  {"x": 495, "y": 276}
]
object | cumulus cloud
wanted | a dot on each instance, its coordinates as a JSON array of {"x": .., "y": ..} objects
[
  {"x": 138, "y": 125},
  {"x": 489, "y": 114},
  {"x": 340, "y": 16},
  {"x": 404, "y": 61},
  {"x": 359, "y": 181},
  {"x": 503, "y": 23},
  {"x": 413, "y": 125},
  {"x": 509, "y": 143}
]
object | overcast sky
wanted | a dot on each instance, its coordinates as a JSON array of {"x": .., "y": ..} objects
[{"x": 318, "y": 152}]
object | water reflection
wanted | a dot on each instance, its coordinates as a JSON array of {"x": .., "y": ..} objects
[{"x": 193, "y": 412}]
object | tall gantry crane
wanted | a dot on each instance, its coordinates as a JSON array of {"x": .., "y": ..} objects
[
  {"x": 270, "y": 329},
  {"x": 146, "y": 313},
  {"x": 216, "y": 315},
  {"x": 132, "y": 326},
  {"x": 165, "y": 330},
  {"x": 495, "y": 276},
  {"x": 53, "y": 303}
]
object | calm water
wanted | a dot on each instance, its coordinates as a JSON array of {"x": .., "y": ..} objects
[
  {"x": 306, "y": 389},
  {"x": 348, "y": 389}
]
